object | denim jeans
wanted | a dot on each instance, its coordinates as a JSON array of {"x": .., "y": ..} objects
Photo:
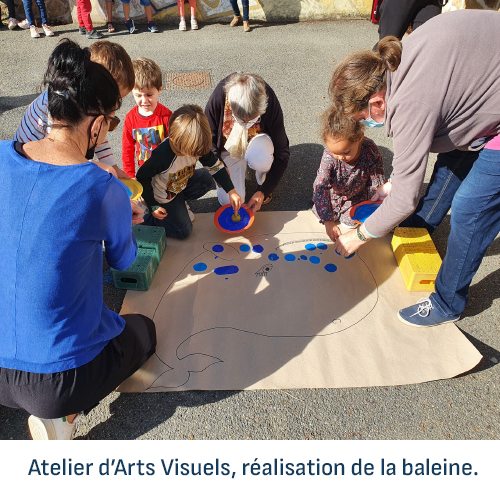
[
  {"x": 177, "y": 223},
  {"x": 450, "y": 170},
  {"x": 236, "y": 9},
  {"x": 28, "y": 9},
  {"x": 475, "y": 222}
]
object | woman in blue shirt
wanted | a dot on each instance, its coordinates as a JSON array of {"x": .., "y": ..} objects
[{"x": 61, "y": 349}]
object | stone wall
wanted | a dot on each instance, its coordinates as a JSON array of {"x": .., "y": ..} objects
[
  {"x": 58, "y": 11},
  {"x": 165, "y": 11},
  {"x": 472, "y": 4}
]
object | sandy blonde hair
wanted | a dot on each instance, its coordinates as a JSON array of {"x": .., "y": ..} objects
[
  {"x": 189, "y": 131},
  {"x": 116, "y": 60},
  {"x": 362, "y": 74},
  {"x": 147, "y": 74}
]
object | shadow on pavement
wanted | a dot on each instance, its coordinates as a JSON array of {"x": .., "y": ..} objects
[
  {"x": 133, "y": 415},
  {"x": 12, "y": 102}
]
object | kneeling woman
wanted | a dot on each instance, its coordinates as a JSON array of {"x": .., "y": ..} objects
[
  {"x": 247, "y": 126},
  {"x": 62, "y": 350}
]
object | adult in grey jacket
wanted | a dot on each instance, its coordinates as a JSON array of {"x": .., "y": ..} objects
[{"x": 439, "y": 91}]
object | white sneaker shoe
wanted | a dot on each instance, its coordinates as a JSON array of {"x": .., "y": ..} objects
[
  {"x": 34, "y": 32},
  {"x": 24, "y": 24},
  {"x": 47, "y": 30},
  {"x": 51, "y": 429},
  {"x": 182, "y": 25},
  {"x": 194, "y": 23},
  {"x": 191, "y": 215},
  {"x": 13, "y": 22}
]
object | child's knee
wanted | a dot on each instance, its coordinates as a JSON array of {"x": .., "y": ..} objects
[{"x": 185, "y": 231}]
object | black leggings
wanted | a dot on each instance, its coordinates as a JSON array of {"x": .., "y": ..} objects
[
  {"x": 397, "y": 15},
  {"x": 10, "y": 7},
  {"x": 54, "y": 395}
]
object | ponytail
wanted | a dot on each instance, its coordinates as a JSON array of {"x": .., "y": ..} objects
[
  {"x": 78, "y": 87},
  {"x": 390, "y": 50},
  {"x": 363, "y": 74}
]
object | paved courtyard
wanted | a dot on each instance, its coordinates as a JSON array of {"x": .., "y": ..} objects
[{"x": 297, "y": 60}]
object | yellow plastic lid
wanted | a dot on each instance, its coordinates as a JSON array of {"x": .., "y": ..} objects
[{"x": 135, "y": 188}]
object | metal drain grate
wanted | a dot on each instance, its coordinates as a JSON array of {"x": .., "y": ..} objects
[{"x": 187, "y": 81}]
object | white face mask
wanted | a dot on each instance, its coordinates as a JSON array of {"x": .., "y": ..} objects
[{"x": 248, "y": 124}]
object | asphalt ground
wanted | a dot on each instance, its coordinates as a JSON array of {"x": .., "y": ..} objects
[{"x": 297, "y": 60}]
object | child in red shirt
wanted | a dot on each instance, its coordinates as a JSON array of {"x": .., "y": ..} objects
[{"x": 146, "y": 125}]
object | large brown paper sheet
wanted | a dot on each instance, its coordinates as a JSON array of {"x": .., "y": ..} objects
[{"x": 295, "y": 315}]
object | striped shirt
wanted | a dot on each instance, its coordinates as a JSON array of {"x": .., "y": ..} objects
[{"x": 37, "y": 122}]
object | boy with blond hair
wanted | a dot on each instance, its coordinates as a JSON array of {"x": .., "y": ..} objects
[
  {"x": 170, "y": 177},
  {"x": 146, "y": 125}
]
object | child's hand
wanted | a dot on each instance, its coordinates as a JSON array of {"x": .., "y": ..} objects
[
  {"x": 382, "y": 191},
  {"x": 121, "y": 174},
  {"x": 332, "y": 230},
  {"x": 137, "y": 213},
  {"x": 235, "y": 200},
  {"x": 160, "y": 213}
]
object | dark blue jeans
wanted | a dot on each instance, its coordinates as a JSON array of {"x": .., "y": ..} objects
[
  {"x": 475, "y": 222},
  {"x": 177, "y": 223},
  {"x": 28, "y": 9},
  {"x": 236, "y": 9},
  {"x": 450, "y": 170}
]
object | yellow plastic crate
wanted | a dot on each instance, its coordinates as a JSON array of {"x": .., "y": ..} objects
[{"x": 417, "y": 258}]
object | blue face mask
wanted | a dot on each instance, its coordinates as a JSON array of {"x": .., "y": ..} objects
[{"x": 370, "y": 122}]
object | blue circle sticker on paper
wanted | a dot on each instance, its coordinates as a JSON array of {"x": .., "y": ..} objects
[
  {"x": 258, "y": 248},
  {"x": 351, "y": 256},
  {"x": 200, "y": 266},
  {"x": 303, "y": 257},
  {"x": 221, "y": 271},
  {"x": 331, "y": 268},
  {"x": 322, "y": 246},
  {"x": 273, "y": 256},
  {"x": 245, "y": 247},
  {"x": 314, "y": 259},
  {"x": 310, "y": 247},
  {"x": 218, "y": 248},
  {"x": 289, "y": 257}
]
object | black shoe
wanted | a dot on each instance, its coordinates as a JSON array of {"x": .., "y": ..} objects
[
  {"x": 130, "y": 25},
  {"x": 82, "y": 30},
  {"x": 94, "y": 35}
]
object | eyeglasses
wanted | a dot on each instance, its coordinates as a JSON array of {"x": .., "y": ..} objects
[{"x": 114, "y": 121}]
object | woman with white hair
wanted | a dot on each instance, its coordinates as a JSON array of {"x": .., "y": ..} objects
[{"x": 248, "y": 129}]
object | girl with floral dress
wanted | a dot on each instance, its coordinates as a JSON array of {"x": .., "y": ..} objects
[{"x": 351, "y": 169}]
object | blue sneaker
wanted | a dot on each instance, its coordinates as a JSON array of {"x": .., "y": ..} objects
[
  {"x": 152, "y": 27},
  {"x": 130, "y": 25},
  {"x": 424, "y": 313}
]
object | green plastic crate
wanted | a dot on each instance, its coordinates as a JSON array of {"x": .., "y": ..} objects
[
  {"x": 152, "y": 238},
  {"x": 140, "y": 274}
]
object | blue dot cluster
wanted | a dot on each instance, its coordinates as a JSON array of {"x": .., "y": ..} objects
[{"x": 314, "y": 259}]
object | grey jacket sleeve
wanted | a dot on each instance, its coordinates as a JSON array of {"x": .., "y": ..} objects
[{"x": 414, "y": 125}]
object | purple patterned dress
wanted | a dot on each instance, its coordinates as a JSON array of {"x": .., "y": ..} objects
[{"x": 339, "y": 186}]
